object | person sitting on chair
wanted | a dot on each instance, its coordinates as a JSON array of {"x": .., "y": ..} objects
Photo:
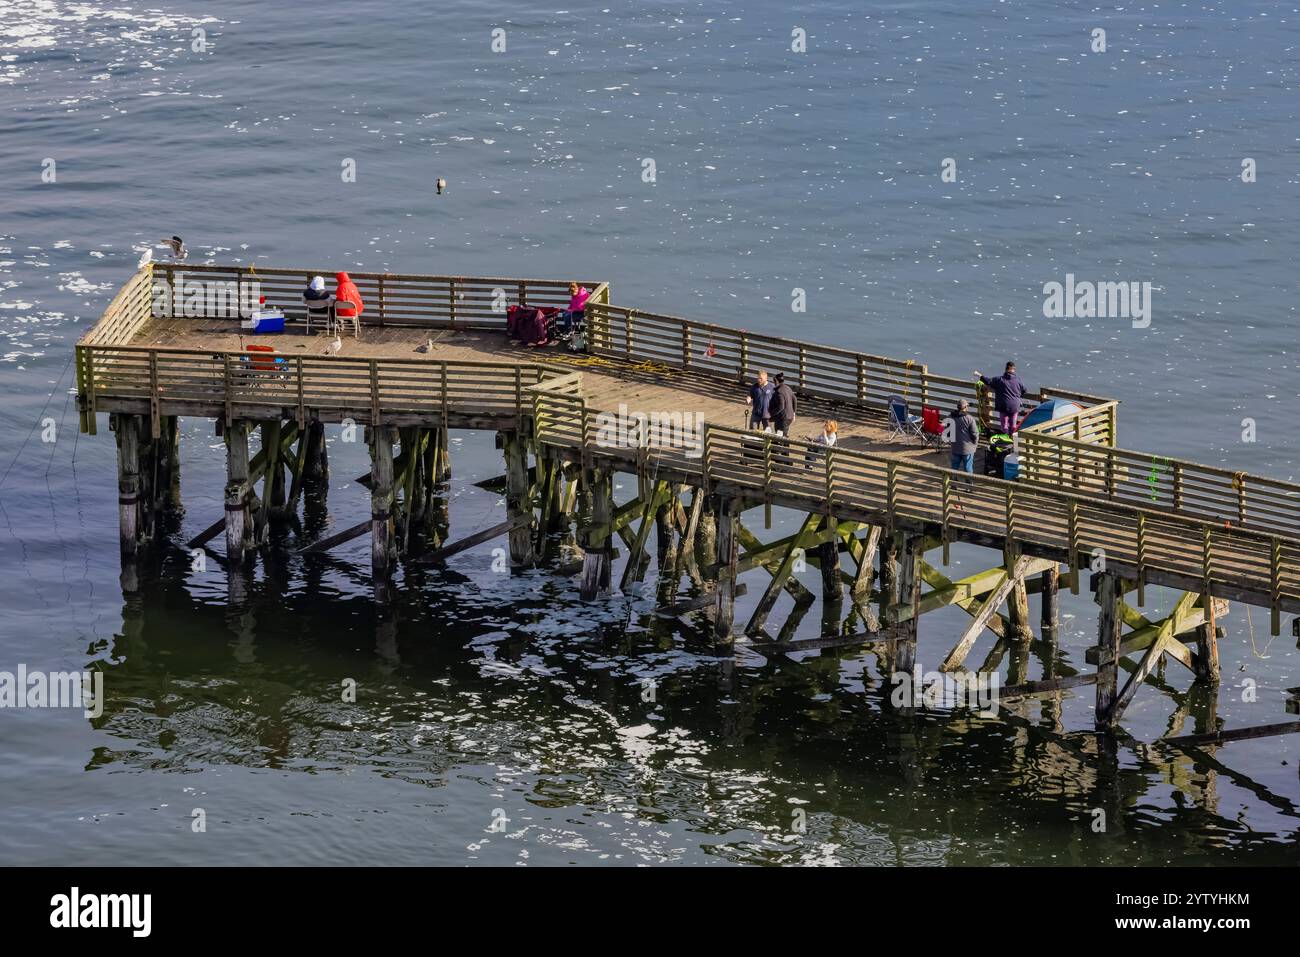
[
  {"x": 317, "y": 300},
  {"x": 345, "y": 291},
  {"x": 578, "y": 296}
]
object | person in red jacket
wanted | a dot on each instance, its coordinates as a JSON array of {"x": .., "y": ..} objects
[{"x": 346, "y": 290}]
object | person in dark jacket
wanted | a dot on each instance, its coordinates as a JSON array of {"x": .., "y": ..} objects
[
  {"x": 965, "y": 439},
  {"x": 317, "y": 300},
  {"x": 1008, "y": 391},
  {"x": 759, "y": 403},
  {"x": 783, "y": 406}
]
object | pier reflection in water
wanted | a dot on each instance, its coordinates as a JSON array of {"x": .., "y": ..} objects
[{"x": 495, "y": 698}]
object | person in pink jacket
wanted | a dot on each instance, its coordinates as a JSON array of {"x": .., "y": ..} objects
[{"x": 578, "y": 296}]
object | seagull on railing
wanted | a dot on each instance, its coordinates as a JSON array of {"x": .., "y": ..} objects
[{"x": 145, "y": 259}]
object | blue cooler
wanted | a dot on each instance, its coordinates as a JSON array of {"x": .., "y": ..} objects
[
  {"x": 1011, "y": 466},
  {"x": 265, "y": 320}
]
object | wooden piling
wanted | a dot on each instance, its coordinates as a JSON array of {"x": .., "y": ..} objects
[
  {"x": 1109, "y": 597},
  {"x": 237, "y": 527},
  {"x": 381, "y": 439},
  {"x": 518, "y": 495},
  {"x": 727, "y": 514},
  {"x": 598, "y": 536},
  {"x": 171, "y": 439},
  {"x": 888, "y": 574},
  {"x": 316, "y": 467},
  {"x": 1019, "y": 632},
  {"x": 1049, "y": 593},
  {"x": 909, "y": 592},
  {"x": 706, "y": 533},
  {"x": 828, "y": 557},
  {"x": 127, "y": 430},
  {"x": 1207, "y": 644}
]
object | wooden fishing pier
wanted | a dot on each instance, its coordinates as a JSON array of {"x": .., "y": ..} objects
[{"x": 879, "y": 514}]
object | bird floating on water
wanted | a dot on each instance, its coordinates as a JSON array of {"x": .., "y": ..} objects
[
  {"x": 442, "y": 184},
  {"x": 177, "y": 247}
]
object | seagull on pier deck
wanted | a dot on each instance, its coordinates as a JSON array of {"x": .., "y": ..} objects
[
  {"x": 426, "y": 347},
  {"x": 334, "y": 347},
  {"x": 177, "y": 247}
]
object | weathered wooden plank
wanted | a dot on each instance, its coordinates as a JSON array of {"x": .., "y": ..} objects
[{"x": 440, "y": 555}]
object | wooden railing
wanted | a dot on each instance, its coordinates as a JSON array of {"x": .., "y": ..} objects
[
  {"x": 368, "y": 388},
  {"x": 1092, "y": 425},
  {"x": 1151, "y": 481},
  {"x": 1186, "y": 539},
  {"x": 816, "y": 371},
  {"x": 809, "y": 476},
  {"x": 392, "y": 299},
  {"x": 124, "y": 316}
]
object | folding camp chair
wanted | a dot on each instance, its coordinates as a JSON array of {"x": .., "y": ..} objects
[
  {"x": 261, "y": 363},
  {"x": 931, "y": 426},
  {"x": 902, "y": 424},
  {"x": 336, "y": 322}
]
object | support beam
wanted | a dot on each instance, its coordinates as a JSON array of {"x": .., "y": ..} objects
[
  {"x": 1006, "y": 582},
  {"x": 338, "y": 538},
  {"x": 657, "y": 495},
  {"x": 1164, "y": 636},
  {"x": 1237, "y": 734},
  {"x": 865, "y": 557},
  {"x": 1050, "y": 686},
  {"x": 781, "y": 574},
  {"x": 440, "y": 555}
]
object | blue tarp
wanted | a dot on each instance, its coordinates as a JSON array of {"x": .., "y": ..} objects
[{"x": 1049, "y": 410}]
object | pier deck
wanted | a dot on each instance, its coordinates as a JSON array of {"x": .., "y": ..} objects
[
  {"x": 607, "y": 382},
  {"x": 1130, "y": 518}
]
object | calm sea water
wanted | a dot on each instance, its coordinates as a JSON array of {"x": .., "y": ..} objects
[{"x": 484, "y": 697}]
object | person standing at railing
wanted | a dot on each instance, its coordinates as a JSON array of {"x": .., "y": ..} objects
[
  {"x": 1008, "y": 392},
  {"x": 758, "y": 403},
  {"x": 965, "y": 439},
  {"x": 783, "y": 406},
  {"x": 578, "y": 296}
]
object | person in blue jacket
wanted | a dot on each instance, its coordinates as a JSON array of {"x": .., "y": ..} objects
[
  {"x": 1008, "y": 391},
  {"x": 759, "y": 401}
]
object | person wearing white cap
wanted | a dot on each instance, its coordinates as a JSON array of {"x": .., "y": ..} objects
[{"x": 317, "y": 300}]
